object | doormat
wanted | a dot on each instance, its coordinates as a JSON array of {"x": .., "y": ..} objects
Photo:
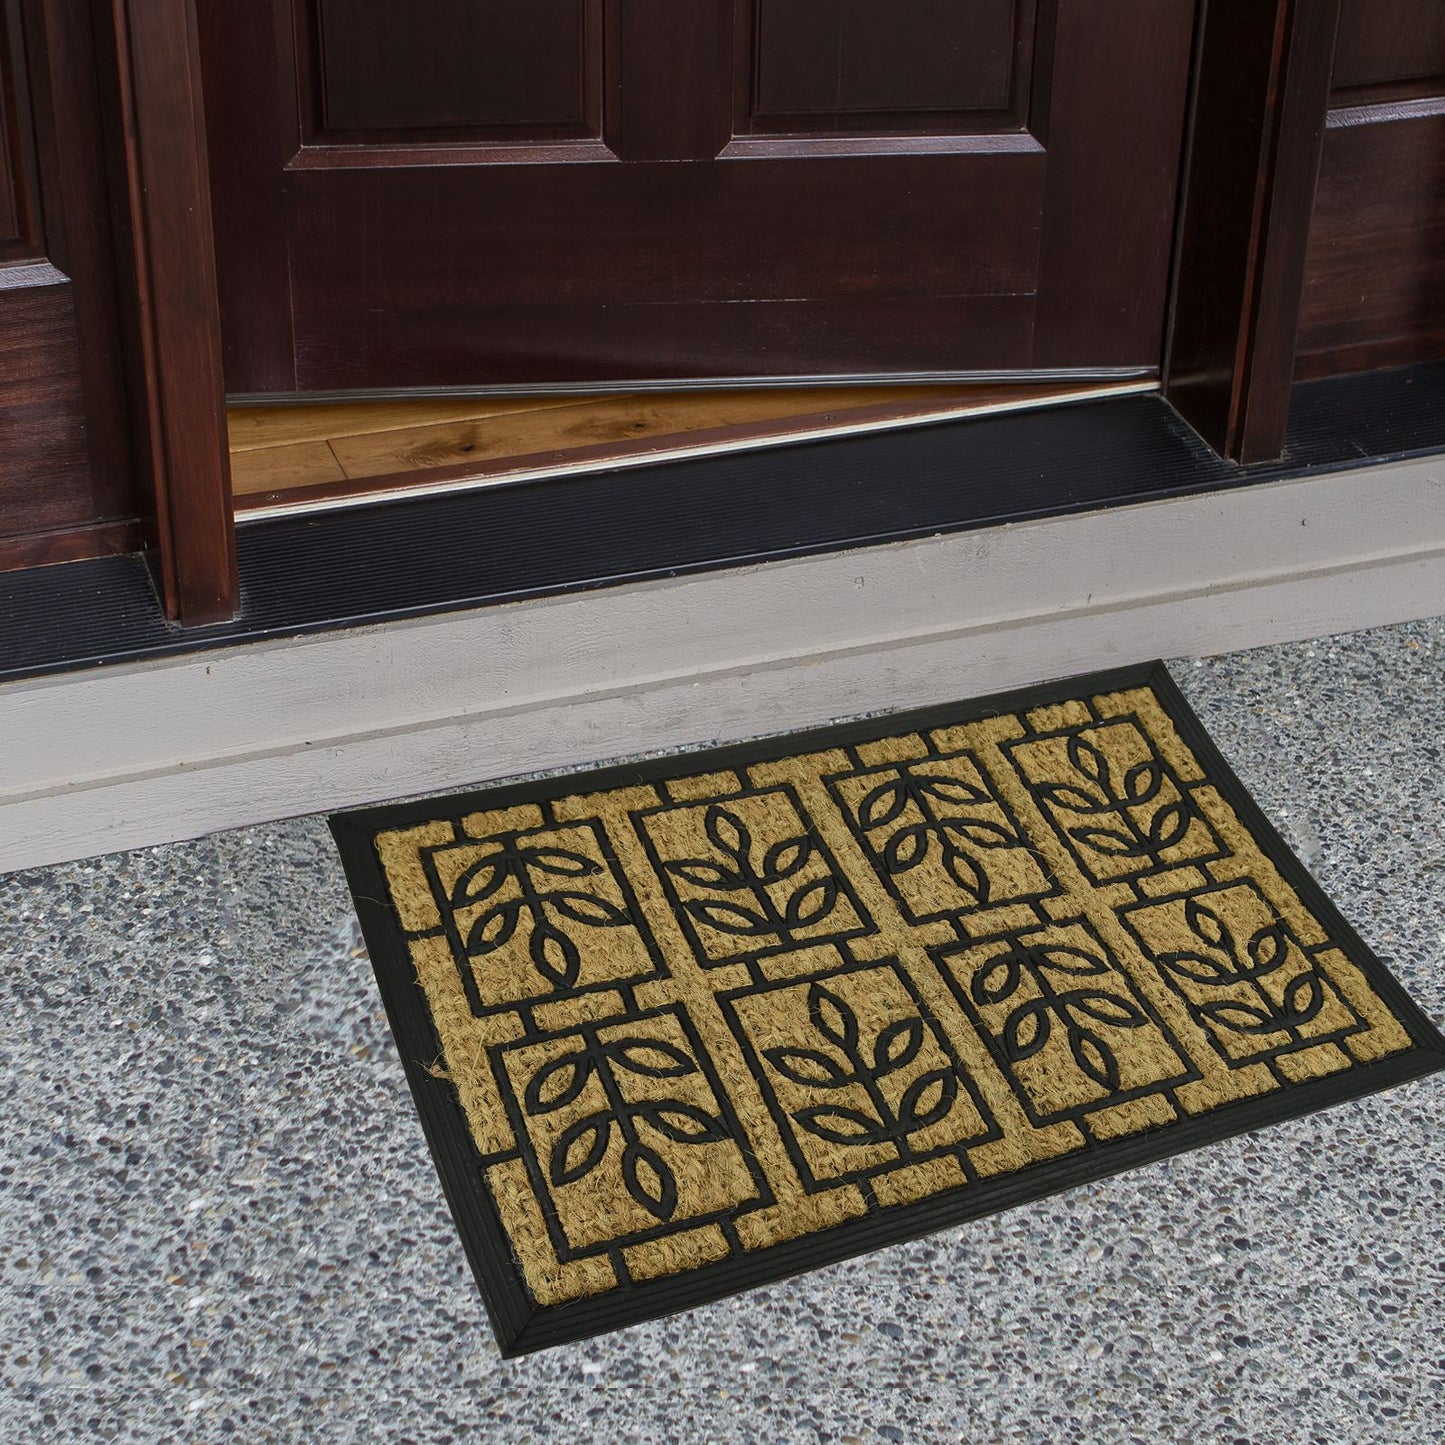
[{"x": 685, "y": 1027}]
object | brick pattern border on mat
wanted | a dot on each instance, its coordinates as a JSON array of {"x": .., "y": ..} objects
[{"x": 932, "y": 906}]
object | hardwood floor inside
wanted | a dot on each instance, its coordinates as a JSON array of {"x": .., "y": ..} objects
[{"x": 307, "y": 455}]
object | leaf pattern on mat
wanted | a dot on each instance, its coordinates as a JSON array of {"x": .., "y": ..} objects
[
  {"x": 849, "y": 1058},
  {"x": 641, "y": 1124},
  {"x": 1117, "y": 811},
  {"x": 1222, "y": 961},
  {"x": 917, "y": 812},
  {"x": 545, "y": 900},
  {"x": 757, "y": 890},
  {"x": 1064, "y": 989}
]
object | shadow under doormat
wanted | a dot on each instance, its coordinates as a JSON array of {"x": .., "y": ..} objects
[{"x": 690, "y": 1026}]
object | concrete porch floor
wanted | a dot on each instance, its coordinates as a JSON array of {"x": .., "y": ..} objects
[{"x": 218, "y": 1219}]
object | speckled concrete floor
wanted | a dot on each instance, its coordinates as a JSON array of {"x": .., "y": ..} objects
[{"x": 218, "y": 1219}]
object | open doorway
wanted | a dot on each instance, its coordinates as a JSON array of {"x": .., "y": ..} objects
[{"x": 319, "y": 454}]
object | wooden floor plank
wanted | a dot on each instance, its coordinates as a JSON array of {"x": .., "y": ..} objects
[
  {"x": 598, "y": 421},
  {"x": 276, "y": 469},
  {"x": 253, "y": 427}
]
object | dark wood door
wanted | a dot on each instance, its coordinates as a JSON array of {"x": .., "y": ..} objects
[
  {"x": 1375, "y": 284},
  {"x": 535, "y": 192}
]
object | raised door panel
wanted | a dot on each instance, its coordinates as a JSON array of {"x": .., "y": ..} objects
[
  {"x": 44, "y": 460},
  {"x": 19, "y": 208},
  {"x": 65, "y": 480},
  {"x": 754, "y": 189},
  {"x": 914, "y": 65},
  {"x": 501, "y": 70},
  {"x": 1388, "y": 44},
  {"x": 1375, "y": 279}
]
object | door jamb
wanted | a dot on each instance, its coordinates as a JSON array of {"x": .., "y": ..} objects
[
  {"x": 169, "y": 289},
  {"x": 1251, "y": 165}
]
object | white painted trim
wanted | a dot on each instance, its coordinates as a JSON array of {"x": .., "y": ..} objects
[{"x": 120, "y": 757}]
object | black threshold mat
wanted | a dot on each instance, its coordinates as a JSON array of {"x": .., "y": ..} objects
[{"x": 683, "y": 1028}]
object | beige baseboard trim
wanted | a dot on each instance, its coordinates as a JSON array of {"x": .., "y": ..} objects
[{"x": 133, "y": 755}]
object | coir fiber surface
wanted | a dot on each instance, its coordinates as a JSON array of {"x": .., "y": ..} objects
[{"x": 685, "y": 1027}]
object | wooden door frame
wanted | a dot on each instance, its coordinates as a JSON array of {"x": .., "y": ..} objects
[
  {"x": 1251, "y": 160},
  {"x": 169, "y": 303},
  {"x": 1251, "y": 165}
]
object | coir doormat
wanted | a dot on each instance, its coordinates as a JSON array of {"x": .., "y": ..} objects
[{"x": 682, "y": 1028}]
